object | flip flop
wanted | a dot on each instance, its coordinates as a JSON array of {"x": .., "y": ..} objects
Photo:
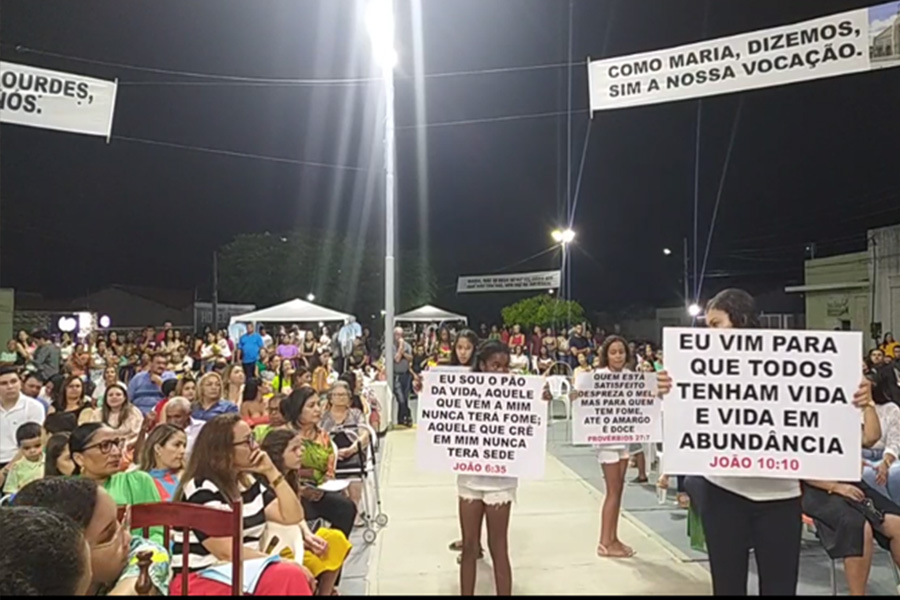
[{"x": 603, "y": 552}]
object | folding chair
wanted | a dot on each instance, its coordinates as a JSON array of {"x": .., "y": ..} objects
[{"x": 186, "y": 517}]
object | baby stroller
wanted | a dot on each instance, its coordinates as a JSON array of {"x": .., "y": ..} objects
[{"x": 359, "y": 468}]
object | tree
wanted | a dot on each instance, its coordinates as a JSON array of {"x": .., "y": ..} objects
[
  {"x": 543, "y": 310},
  {"x": 344, "y": 274}
]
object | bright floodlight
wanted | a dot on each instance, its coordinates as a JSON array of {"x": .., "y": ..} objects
[
  {"x": 666, "y": 251},
  {"x": 311, "y": 297},
  {"x": 694, "y": 309},
  {"x": 551, "y": 291},
  {"x": 104, "y": 321},
  {"x": 380, "y": 22},
  {"x": 565, "y": 236},
  {"x": 67, "y": 324}
]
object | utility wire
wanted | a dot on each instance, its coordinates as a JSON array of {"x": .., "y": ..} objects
[
  {"x": 237, "y": 154},
  {"x": 712, "y": 224},
  {"x": 224, "y": 79}
]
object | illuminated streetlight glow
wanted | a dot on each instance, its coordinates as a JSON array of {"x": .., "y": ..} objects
[
  {"x": 104, "y": 321},
  {"x": 667, "y": 252},
  {"x": 380, "y": 23},
  {"x": 694, "y": 310},
  {"x": 311, "y": 297},
  {"x": 563, "y": 236}
]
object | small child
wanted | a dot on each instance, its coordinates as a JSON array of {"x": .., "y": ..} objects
[{"x": 29, "y": 437}]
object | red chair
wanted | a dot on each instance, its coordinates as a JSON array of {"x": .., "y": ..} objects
[{"x": 187, "y": 517}]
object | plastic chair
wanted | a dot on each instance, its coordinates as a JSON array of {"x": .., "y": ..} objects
[{"x": 188, "y": 517}]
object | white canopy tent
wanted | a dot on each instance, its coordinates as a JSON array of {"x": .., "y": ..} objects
[
  {"x": 292, "y": 311},
  {"x": 430, "y": 314}
]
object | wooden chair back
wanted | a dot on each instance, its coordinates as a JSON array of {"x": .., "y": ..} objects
[{"x": 187, "y": 517}]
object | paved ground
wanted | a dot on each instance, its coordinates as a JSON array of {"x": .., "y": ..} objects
[{"x": 553, "y": 536}]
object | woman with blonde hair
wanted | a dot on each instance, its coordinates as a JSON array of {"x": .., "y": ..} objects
[
  {"x": 209, "y": 402},
  {"x": 234, "y": 379}
]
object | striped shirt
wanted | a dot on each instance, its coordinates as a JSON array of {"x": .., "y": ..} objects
[{"x": 205, "y": 492}]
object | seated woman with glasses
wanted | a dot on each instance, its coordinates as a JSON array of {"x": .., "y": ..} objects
[
  {"x": 226, "y": 465},
  {"x": 96, "y": 451},
  {"x": 114, "y": 551}
]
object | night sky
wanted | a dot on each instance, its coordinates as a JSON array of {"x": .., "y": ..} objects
[{"x": 811, "y": 162}]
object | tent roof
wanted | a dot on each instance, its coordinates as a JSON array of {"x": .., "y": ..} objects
[
  {"x": 292, "y": 311},
  {"x": 430, "y": 313}
]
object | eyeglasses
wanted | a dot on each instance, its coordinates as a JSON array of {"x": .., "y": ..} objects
[
  {"x": 250, "y": 442},
  {"x": 123, "y": 525},
  {"x": 106, "y": 446}
]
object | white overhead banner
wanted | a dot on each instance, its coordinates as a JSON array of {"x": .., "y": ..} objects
[
  {"x": 762, "y": 403},
  {"x": 544, "y": 280},
  {"x": 56, "y": 100},
  {"x": 851, "y": 42}
]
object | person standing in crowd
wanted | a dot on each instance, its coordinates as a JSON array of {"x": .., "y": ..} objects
[
  {"x": 739, "y": 513},
  {"x": 518, "y": 362},
  {"x": 890, "y": 347},
  {"x": 464, "y": 349},
  {"x": 444, "y": 347},
  {"x": 25, "y": 347},
  {"x": 145, "y": 388},
  {"x": 536, "y": 342},
  {"x": 517, "y": 338},
  {"x": 551, "y": 343},
  {"x": 248, "y": 350},
  {"x": 46, "y": 355},
  {"x": 286, "y": 349},
  {"x": 309, "y": 349},
  {"x": 31, "y": 539},
  {"x": 268, "y": 342},
  {"x": 402, "y": 377},
  {"x": 225, "y": 466}
]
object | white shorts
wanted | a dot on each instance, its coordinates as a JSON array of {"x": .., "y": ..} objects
[
  {"x": 609, "y": 455},
  {"x": 489, "y": 497}
]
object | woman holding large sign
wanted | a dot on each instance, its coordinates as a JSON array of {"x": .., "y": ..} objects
[{"x": 763, "y": 513}]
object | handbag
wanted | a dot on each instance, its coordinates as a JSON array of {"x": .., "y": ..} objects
[
  {"x": 695, "y": 530},
  {"x": 868, "y": 510}
]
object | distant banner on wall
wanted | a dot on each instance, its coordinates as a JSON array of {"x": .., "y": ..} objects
[
  {"x": 543, "y": 280},
  {"x": 850, "y": 42},
  {"x": 56, "y": 100}
]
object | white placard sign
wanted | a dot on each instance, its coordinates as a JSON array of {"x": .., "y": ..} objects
[
  {"x": 544, "y": 280},
  {"x": 56, "y": 100},
  {"x": 616, "y": 408},
  {"x": 841, "y": 44},
  {"x": 482, "y": 424},
  {"x": 762, "y": 403}
]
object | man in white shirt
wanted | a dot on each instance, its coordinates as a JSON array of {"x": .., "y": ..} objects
[{"x": 15, "y": 409}]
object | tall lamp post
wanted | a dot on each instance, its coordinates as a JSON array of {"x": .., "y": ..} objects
[
  {"x": 564, "y": 237},
  {"x": 693, "y": 309},
  {"x": 380, "y": 22}
]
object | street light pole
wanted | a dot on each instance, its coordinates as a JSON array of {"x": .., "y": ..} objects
[
  {"x": 380, "y": 19},
  {"x": 687, "y": 293}
]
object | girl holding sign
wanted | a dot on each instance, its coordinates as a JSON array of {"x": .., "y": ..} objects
[
  {"x": 739, "y": 513},
  {"x": 615, "y": 356},
  {"x": 486, "y": 497}
]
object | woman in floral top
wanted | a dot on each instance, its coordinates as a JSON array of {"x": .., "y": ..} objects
[{"x": 303, "y": 411}]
